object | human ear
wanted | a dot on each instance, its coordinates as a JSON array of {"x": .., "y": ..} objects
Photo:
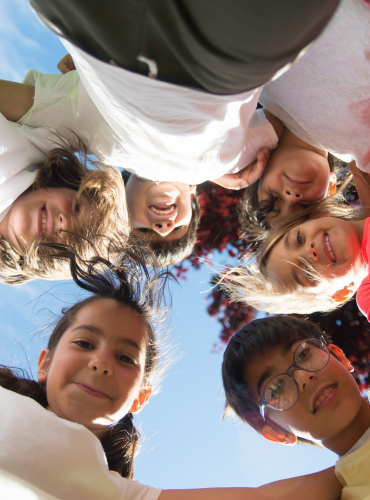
[
  {"x": 332, "y": 184},
  {"x": 43, "y": 366},
  {"x": 280, "y": 437},
  {"x": 339, "y": 354},
  {"x": 193, "y": 189},
  {"x": 141, "y": 399},
  {"x": 344, "y": 294}
]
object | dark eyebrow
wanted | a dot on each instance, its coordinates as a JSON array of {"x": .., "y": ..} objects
[
  {"x": 98, "y": 331},
  {"x": 286, "y": 240},
  {"x": 265, "y": 375},
  {"x": 288, "y": 346}
]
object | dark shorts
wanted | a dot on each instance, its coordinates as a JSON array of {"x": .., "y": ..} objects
[{"x": 220, "y": 46}]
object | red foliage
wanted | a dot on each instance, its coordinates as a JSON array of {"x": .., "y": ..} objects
[{"x": 219, "y": 231}]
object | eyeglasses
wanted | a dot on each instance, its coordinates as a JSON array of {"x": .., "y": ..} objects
[{"x": 282, "y": 391}]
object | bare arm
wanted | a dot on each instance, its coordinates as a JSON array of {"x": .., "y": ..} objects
[
  {"x": 319, "y": 486},
  {"x": 15, "y": 99}
]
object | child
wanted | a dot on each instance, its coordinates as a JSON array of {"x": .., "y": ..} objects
[
  {"x": 314, "y": 261},
  {"x": 296, "y": 176},
  {"x": 62, "y": 102},
  {"x": 45, "y": 192},
  {"x": 285, "y": 378},
  {"x": 98, "y": 369}
]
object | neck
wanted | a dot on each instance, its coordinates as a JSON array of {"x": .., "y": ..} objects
[{"x": 344, "y": 441}]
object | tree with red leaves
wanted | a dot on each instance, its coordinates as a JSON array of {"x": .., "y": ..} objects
[{"x": 219, "y": 232}]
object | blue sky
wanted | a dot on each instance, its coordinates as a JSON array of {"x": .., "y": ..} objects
[{"x": 186, "y": 444}]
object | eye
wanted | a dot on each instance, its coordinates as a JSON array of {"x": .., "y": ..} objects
[
  {"x": 304, "y": 205},
  {"x": 274, "y": 391},
  {"x": 126, "y": 359},
  {"x": 84, "y": 344},
  {"x": 299, "y": 239},
  {"x": 303, "y": 355},
  {"x": 178, "y": 228},
  {"x": 77, "y": 208},
  {"x": 308, "y": 275},
  {"x": 144, "y": 230}
]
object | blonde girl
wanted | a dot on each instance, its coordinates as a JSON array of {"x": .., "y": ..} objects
[{"x": 311, "y": 262}]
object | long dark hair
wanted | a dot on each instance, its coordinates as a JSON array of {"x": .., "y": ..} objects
[{"x": 129, "y": 282}]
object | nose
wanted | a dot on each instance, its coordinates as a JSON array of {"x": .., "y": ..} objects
[
  {"x": 292, "y": 195},
  {"x": 304, "y": 379},
  {"x": 101, "y": 365},
  {"x": 63, "y": 224},
  {"x": 163, "y": 227},
  {"x": 312, "y": 251}
]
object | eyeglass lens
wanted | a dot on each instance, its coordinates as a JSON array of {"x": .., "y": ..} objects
[{"x": 281, "y": 392}]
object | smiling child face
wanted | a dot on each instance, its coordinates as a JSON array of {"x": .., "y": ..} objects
[
  {"x": 42, "y": 213},
  {"x": 95, "y": 374},
  {"x": 161, "y": 210},
  {"x": 329, "y": 400},
  {"x": 297, "y": 178},
  {"x": 331, "y": 246}
]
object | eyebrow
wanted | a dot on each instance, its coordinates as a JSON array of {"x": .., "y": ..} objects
[
  {"x": 288, "y": 346},
  {"x": 286, "y": 240},
  {"x": 265, "y": 375},
  {"x": 100, "y": 333},
  {"x": 270, "y": 369}
]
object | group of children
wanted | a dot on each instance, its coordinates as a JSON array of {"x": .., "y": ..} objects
[{"x": 64, "y": 215}]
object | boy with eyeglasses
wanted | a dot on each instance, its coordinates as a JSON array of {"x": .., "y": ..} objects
[{"x": 283, "y": 376}]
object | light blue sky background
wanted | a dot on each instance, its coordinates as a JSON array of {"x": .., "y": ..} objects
[{"x": 186, "y": 444}]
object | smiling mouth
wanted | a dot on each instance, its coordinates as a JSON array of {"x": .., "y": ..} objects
[
  {"x": 325, "y": 398},
  {"x": 43, "y": 219},
  {"x": 295, "y": 181},
  {"x": 165, "y": 210},
  {"x": 327, "y": 246},
  {"x": 92, "y": 392}
]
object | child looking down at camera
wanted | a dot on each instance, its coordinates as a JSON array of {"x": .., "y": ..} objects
[{"x": 285, "y": 378}]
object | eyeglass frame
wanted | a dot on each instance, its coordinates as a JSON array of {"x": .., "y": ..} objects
[{"x": 263, "y": 403}]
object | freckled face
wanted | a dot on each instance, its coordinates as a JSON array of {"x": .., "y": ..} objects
[
  {"x": 329, "y": 399},
  {"x": 96, "y": 371}
]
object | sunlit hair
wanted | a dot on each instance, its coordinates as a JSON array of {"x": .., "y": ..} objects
[
  {"x": 257, "y": 338},
  {"x": 103, "y": 187},
  {"x": 130, "y": 282},
  {"x": 253, "y": 213},
  {"x": 252, "y": 283}
]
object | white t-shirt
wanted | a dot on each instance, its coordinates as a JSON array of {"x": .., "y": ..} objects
[
  {"x": 57, "y": 457},
  {"x": 22, "y": 149},
  {"x": 325, "y": 97},
  {"x": 153, "y": 129}
]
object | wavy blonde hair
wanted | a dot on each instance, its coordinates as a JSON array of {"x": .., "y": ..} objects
[
  {"x": 253, "y": 284},
  {"x": 103, "y": 187}
]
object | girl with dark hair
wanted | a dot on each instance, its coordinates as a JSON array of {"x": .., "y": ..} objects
[
  {"x": 99, "y": 369},
  {"x": 100, "y": 363}
]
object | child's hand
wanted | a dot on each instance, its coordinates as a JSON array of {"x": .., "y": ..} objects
[
  {"x": 66, "y": 64},
  {"x": 248, "y": 175}
]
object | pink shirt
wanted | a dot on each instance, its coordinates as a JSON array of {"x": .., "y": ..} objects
[{"x": 363, "y": 293}]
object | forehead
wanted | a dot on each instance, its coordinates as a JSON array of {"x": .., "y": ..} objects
[
  {"x": 275, "y": 359},
  {"x": 114, "y": 319}
]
